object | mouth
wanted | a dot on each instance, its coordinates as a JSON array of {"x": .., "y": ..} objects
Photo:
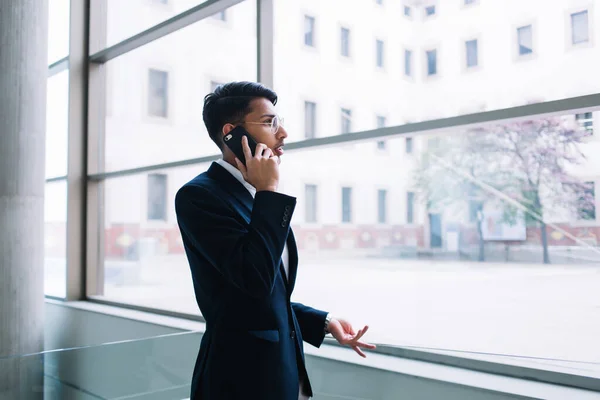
[{"x": 279, "y": 150}]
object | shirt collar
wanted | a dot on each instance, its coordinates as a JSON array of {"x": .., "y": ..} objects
[{"x": 237, "y": 175}]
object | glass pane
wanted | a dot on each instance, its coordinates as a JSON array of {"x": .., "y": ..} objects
[
  {"x": 155, "y": 94},
  {"x": 470, "y": 247},
  {"x": 580, "y": 27},
  {"x": 55, "y": 239},
  {"x": 144, "y": 259},
  {"x": 58, "y": 29},
  {"x": 500, "y": 81},
  {"x": 525, "y": 40},
  {"x": 153, "y": 368},
  {"x": 57, "y": 124},
  {"x": 125, "y": 19},
  {"x": 472, "y": 53}
]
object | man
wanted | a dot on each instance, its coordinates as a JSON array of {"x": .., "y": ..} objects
[{"x": 243, "y": 258}]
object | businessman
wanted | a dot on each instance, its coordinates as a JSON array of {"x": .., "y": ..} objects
[{"x": 244, "y": 261}]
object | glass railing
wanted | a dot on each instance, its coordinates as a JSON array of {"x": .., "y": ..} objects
[{"x": 153, "y": 368}]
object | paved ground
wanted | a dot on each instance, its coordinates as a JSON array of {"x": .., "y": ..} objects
[{"x": 518, "y": 309}]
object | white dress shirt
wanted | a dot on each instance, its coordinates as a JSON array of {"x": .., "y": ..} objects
[{"x": 285, "y": 257}]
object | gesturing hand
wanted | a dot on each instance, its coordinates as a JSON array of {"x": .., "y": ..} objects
[
  {"x": 343, "y": 332},
  {"x": 261, "y": 169}
]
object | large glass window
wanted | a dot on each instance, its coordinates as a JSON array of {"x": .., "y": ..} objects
[
  {"x": 125, "y": 19},
  {"x": 58, "y": 29},
  {"x": 461, "y": 218},
  {"x": 55, "y": 239},
  {"x": 487, "y": 233},
  {"x": 155, "y": 93},
  {"x": 472, "y": 53},
  {"x": 57, "y": 121}
]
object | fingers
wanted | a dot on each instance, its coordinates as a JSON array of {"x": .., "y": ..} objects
[
  {"x": 246, "y": 148},
  {"x": 359, "y": 351},
  {"x": 361, "y": 333},
  {"x": 262, "y": 151},
  {"x": 366, "y": 345}
]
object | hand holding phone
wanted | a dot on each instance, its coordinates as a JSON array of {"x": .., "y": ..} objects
[{"x": 256, "y": 162}]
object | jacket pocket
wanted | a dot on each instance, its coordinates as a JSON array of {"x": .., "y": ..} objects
[{"x": 271, "y": 335}]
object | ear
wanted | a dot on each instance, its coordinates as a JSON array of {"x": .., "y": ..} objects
[{"x": 227, "y": 128}]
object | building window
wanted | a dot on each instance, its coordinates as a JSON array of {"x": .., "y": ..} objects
[
  {"x": 157, "y": 197},
  {"x": 310, "y": 119},
  {"x": 429, "y": 11},
  {"x": 407, "y": 11},
  {"x": 380, "y": 53},
  {"x": 409, "y": 145},
  {"x": 472, "y": 53},
  {"x": 407, "y": 62},
  {"x": 380, "y": 2},
  {"x": 158, "y": 93},
  {"x": 580, "y": 27},
  {"x": 311, "y": 203},
  {"x": 345, "y": 42},
  {"x": 309, "y": 31},
  {"x": 431, "y": 62},
  {"x": 221, "y": 15},
  {"x": 410, "y": 207},
  {"x": 586, "y": 122},
  {"x": 162, "y": 1},
  {"x": 346, "y": 204},
  {"x": 382, "y": 206},
  {"x": 346, "y": 120},
  {"x": 587, "y": 210},
  {"x": 525, "y": 40},
  {"x": 381, "y": 122},
  {"x": 469, "y": 2}
]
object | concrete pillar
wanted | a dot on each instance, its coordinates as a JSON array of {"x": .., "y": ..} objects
[{"x": 23, "y": 74}]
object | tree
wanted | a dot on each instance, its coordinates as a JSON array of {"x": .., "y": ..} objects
[
  {"x": 520, "y": 167},
  {"x": 457, "y": 172},
  {"x": 539, "y": 155}
]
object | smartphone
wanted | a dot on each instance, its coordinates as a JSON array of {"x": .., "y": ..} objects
[{"x": 233, "y": 140}]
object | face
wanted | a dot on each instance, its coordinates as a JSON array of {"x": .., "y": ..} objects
[{"x": 258, "y": 124}]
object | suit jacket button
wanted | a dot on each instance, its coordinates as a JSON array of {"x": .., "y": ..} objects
[
  {"x": 283, "y": 224},
  {"x": 287, "y": 208},
  {"x": 293, "y": 335},
  {"x": 285, "y": 217}
]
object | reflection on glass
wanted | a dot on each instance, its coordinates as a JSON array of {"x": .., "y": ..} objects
[
  {"x": 57, "y": 121},
  {"x": 55, "y": 239},
  {"x": 58, "y": 29},
  {"x": 155, "y": 94}
]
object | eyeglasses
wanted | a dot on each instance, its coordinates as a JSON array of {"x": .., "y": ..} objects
[{"x": 275, "y": 124}]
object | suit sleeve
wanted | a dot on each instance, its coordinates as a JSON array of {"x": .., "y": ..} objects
[
  {"x": 312, "y": 323},
  {"x": 248, "y": 257}
]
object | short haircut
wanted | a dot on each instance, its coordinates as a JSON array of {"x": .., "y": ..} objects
[{"x": 229, "y": 104}]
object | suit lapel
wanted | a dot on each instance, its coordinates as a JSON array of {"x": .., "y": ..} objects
[
  {"x": 240, "y": 197},
  {"x": 243, "y": 201}
]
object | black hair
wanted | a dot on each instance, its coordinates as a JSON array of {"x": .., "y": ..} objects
[{"x": 229, "y": 104}]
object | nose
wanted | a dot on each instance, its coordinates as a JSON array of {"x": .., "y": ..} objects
[{"x": 281, "y": 133}]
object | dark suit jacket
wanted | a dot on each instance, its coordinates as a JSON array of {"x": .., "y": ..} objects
[{"x": 252, "y": 347}]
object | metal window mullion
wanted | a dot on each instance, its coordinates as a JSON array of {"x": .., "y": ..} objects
[
  {"x": 76, "y": 154},
  {"x": 265, "y": 45}
]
